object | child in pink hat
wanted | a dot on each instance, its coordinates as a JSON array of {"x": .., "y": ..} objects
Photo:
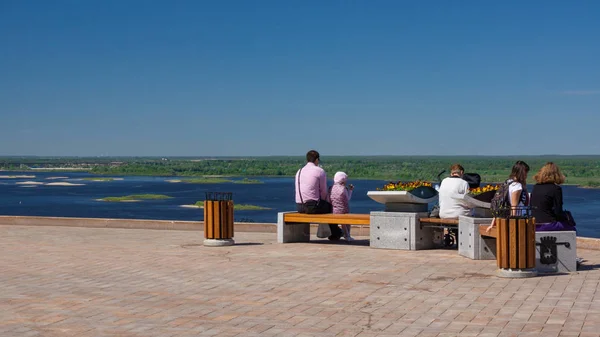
[{"x": 340, "y": 195}]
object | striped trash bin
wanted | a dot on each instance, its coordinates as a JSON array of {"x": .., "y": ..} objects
[
  {"x": 515, "y": 246},
  {"x": 218, "y": 219}
]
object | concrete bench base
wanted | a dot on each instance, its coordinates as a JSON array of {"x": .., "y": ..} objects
[
  {"x": 399, "y": 230},
  {"x": 470, "y": 242},
  {"x": 556, "y": 252},
  {"x": 291, "y": 232}
]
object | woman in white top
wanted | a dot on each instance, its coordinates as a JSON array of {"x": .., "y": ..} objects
[
  {"x": 452, "y": 193},
  {"x": 517, "y": 190}
]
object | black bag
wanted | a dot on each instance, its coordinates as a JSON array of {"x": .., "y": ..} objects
[
  {"x": 569, "y": 219},
  {"x": 500, "y": 206},
  {"x": 473, "y": 179},
  {"x": 435, "y": 211}
]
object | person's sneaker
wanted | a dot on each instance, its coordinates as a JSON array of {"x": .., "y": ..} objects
[
  {"x": 579, "y": 260},
  {"x": 349, "y": 238},
  {"x": 334, "y": 238}
]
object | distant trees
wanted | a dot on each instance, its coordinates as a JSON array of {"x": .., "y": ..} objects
[{"x": 583, "y": 170}]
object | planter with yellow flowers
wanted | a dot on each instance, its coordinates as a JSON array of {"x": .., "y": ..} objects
[
  {"x": 479, "y": 198},
  {"x": 410, "y": 196},
  {"x": 482, "y": 196}
]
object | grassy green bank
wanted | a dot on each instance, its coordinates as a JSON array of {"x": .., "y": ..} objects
[
  {"x": 238, "y": 207},
  {"x": 583, "y": 170},
  {"x": 136, "y": 197}
]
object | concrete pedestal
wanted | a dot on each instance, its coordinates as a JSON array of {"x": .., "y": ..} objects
[
  {"x": 218, "y": 242},
  {"x": 516, "y": 273},
  {"x": 399, "y": 230},
  {"x": 470, "y": 243},
  {"x": 291, "y": 232},
  {"x": 556, "y": 252}
]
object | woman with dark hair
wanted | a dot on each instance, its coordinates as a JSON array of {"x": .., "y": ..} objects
[
  {"x": 547, "y": 200},
  {"x": 517, "y": 190}
]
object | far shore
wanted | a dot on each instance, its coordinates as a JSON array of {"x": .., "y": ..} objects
[
  {"x": 59, "y": 169},
  {"x": 127, "y": 200},
  {"x": 63, "y": 184},
  {"x": 237, "y": 207},
  {"x": 588, "y": 187}
]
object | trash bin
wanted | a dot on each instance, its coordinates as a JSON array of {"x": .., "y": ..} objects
[
  {"x": 515, "y": 245},
  {"x": 218, "y": 219}
]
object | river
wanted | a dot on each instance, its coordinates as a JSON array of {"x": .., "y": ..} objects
[{"x": 277, "y": 194}]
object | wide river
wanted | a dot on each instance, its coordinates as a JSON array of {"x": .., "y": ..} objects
[{"x": 277, "y": 194}]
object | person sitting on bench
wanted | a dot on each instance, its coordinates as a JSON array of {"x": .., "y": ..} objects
[
  {"x": 340, "y": 199},
  {"x": 311, "y": 191},
  {"x": 547, "y": 200},
  {"x": 451, "y": 194}
]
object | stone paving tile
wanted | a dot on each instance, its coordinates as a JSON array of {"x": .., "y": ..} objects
[{"x": 67, "y": 281}]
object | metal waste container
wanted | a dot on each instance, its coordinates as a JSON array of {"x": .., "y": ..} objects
[
  {"x": 515, "y": 245},
  {"x": 218, "y": 219}
]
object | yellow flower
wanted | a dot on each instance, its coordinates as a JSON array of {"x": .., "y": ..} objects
[
  {"x": 409, "y": 186},
  {"x": 487, "y": 188}
]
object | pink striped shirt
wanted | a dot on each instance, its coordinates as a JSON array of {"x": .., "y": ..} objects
[{"x": 313, "y": 183}]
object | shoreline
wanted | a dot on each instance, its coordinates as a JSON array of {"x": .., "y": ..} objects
[
  {"x": 118, "y": 200},
  {"x": 177, "y": 178},
  {"x": 588, "y": 187}
]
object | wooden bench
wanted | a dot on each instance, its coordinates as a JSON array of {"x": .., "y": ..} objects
[
  {"x": 447, "y": 239},
  {"x": 439, "y": 221},
  {"x": 493, "y": 233},
  {"x": 341, "y": 219},
  {"x": 295, "y": 227}
]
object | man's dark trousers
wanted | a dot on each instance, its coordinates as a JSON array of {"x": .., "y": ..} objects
[{"x": 320, "y": 207}]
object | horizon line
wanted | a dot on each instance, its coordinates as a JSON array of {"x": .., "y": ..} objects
[{"x": 292, "y": 156}]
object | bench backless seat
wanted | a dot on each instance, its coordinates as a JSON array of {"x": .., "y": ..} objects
[
  {"x": 342, "y": 219},
  {"x": 295, "y": 227}
]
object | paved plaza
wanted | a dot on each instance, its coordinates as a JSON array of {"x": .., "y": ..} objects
[{"x": 67, "y": 281}]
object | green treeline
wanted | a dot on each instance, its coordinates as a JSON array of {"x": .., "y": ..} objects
[{"x": 581, "y": 170}]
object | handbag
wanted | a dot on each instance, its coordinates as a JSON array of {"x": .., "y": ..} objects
[
  {"x": 435, "y": 211},
  {"x": 569, "y": 219},
  {"x": 323, "y": 231}
]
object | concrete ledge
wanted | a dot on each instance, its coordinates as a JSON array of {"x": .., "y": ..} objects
[
  {"x": 128, "y": 223},
  {"x": 588, "y": 243},
  {"x": 357, "y": 230}
]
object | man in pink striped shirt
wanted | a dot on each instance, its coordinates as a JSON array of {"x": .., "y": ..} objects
[{"x": 311, "y": 191}]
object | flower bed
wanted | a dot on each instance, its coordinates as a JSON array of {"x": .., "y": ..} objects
[
  {"x": 419, "y": 192},
  {"x": 400, "y": 186},
  {"x": 418, "y": 188},
  {"x": 485, "y": 193}
]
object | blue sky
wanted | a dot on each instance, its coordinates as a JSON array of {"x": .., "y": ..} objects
[{"x": 203, "y": 78}]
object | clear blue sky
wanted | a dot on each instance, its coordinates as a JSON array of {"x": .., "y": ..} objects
[{"x": 198, "y": 78}]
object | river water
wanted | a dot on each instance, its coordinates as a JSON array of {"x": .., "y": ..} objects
[{"x": 275, "y": 193}]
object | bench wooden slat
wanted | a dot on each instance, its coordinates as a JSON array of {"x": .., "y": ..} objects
[
  {"x": 344, "y": 219},
  {"x": 492, "y": 233},
  {"x": 439, "y": 221}
]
